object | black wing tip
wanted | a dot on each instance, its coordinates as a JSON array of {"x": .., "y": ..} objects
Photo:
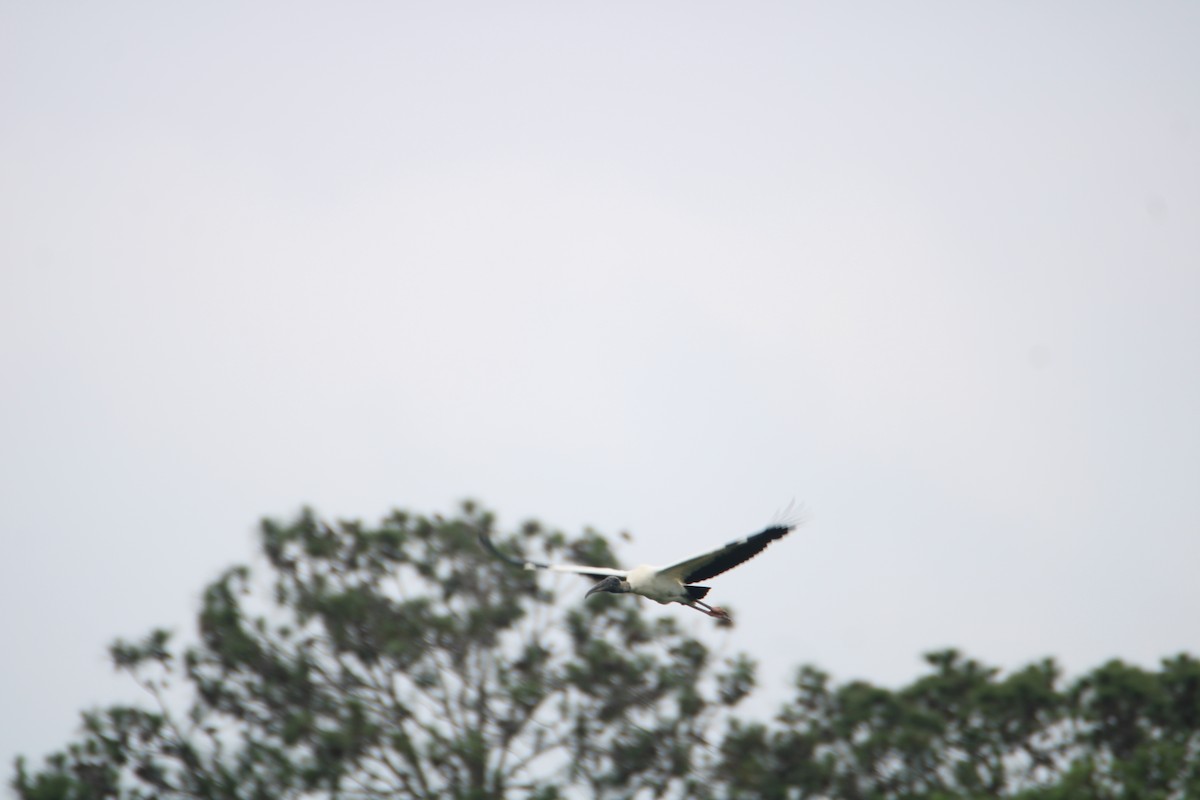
[
  {"x": 489, "y": 545},
  {"x": 769, "y": 534},
  {"x": 786, "y": 525},
  {"x": 791, "y": 517},
  {"x": 521, "y": 563}
]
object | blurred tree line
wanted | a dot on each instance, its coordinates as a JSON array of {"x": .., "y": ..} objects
[{"x": 402, "y": 661}]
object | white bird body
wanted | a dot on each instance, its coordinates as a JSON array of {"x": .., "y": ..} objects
[
  {"x": 654, "y": 583},
  {"x": 671, "y": 584}
]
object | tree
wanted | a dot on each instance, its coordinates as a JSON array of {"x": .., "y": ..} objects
[
  {"x": 965, "y": 731},
  {"x": 403, "y": 661}
]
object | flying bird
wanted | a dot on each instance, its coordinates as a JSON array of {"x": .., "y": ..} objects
[{"x": 673, "y": 584}]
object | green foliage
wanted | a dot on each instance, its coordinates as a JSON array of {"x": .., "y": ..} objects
[
  {"x": 404, "y": 661},
  {"x": 963, "y": 731}
]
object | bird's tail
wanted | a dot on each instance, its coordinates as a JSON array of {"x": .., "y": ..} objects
[{"x": 696, "y": 592}]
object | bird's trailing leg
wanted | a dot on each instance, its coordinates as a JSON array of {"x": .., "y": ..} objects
[{"x": 712, "y": 611}]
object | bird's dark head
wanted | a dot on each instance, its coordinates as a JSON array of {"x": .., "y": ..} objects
[{"x": 613, "y": 583}]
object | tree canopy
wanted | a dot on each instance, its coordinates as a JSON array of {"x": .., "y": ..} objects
[{"x": 401, "y": 660}]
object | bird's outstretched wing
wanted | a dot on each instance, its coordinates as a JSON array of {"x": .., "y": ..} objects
[
  {"x": 723, "y": 559},
  {"x": 595, "y": 573}
]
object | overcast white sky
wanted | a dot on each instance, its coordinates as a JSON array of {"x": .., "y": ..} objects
[{"x": 932, "y": 270}]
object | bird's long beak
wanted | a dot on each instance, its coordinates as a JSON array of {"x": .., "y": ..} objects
[{"x": 602, "y": 586}]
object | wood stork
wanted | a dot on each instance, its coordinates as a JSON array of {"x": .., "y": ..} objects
[{"x": 673, "y": 584}]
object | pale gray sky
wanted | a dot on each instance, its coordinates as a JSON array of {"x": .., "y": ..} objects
[{"x": 931, "y": 269}]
